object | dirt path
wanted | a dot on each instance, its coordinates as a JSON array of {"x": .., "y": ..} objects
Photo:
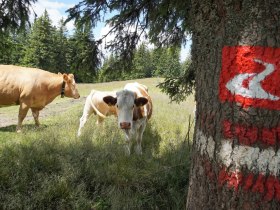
[{"x": 52, "y": 109}]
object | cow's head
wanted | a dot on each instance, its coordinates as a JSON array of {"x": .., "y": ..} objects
[
  {"x": 125, "y": 102},
  {"x": 70, "y": 86}
]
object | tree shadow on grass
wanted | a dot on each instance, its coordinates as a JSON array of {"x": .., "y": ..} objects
[
  {"x": 91, "y": 172},
  {"x": 25, "y": 127}
]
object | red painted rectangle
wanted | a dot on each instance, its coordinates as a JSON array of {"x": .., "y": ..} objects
[
  {"x": 268, "y": 186},
  {"x": 250, "y": 135},
  {"x": 250, "y": 76}
]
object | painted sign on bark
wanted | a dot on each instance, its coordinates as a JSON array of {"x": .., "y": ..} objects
[
  {"x": 243, "y": 167},
  {"x": 250, "y": 76},
  {"x": 251, "y": 135}
]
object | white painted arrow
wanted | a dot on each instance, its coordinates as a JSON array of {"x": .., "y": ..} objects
[{"x": 254, "y": 90}]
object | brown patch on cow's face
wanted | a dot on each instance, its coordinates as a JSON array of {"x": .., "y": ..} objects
[
  {"x": 70, "y": 87},
  {"x": 138, "y": 113}
]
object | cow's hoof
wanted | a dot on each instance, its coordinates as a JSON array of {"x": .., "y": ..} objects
[{"x": 18, "y": 131}]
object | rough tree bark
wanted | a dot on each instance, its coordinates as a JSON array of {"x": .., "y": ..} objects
[{"x": 236, "y": 155}]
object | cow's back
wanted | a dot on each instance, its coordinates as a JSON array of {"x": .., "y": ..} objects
[
  {"x": 97, "y": 101},
  {"x": 16, "y": 81}
]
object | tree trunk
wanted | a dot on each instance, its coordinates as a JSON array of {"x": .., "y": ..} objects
[{"x": 236, "y": 155}]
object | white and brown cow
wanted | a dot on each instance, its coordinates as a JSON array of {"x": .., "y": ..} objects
[
  {"x": 134, "y": 108},
  {"x": 33, "y": 88},
  {"x": 95, "y": 105}
]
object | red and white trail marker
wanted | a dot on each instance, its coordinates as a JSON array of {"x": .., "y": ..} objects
[
  {"x": 250, "y": 76},
  {"x": 261, "y": 166}
]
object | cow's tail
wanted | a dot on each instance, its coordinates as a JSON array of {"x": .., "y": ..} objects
[{"x": 94, "y": 107}]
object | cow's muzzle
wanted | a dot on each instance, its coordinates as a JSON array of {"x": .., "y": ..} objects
[
  {"x": 77, "y": 96},
  {"x": 125, "y": 125}
]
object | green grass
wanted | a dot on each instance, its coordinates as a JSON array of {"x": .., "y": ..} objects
[{"x": 50, "y": 168}]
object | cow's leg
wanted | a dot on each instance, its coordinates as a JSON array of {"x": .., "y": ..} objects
[
  {"x": 99, "y": 120},
  {"x": 139, "y": 136},
  {"x": 35, "y": 113},
  {"x": 88, "y": 110},
  {"x": 23, "y": 109},
  {"x": 128, "y": 142}
]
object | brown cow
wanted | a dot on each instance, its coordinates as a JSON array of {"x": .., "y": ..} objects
[
  {"x": 33, "y": 88},
  {"x": 95, "y": 105}
]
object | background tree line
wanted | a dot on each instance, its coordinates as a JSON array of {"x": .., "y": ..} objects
[
  {"x": 47, "y": 47},
  {"x": 51, "y": 48}
]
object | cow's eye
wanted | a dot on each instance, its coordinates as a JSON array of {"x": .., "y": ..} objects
[{"x": 117, "y": 106}]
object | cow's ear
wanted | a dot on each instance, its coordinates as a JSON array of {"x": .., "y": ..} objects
[
  {"x": 141, "y": 101},
  {"x": 110, "y": 100},
  {"x": 71, "y": 76},
  {"x": 65, "y": 77},
  {"x": 59, "y": 73}
]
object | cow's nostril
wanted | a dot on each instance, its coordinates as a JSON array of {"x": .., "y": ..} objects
[{"x": 125, "y": 125}]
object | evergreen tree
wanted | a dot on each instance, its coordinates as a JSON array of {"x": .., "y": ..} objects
[
  {"x": 110, "y": 71},
  {"x": 12, "y": 46},
  {"x": 14, "y": 14},
  {"x": 61, "y": 51},
  {"x": 142, "y": 62},
  {"x": 167, "y": 62},
  {"x": 6, "y": 45},
  {"x": 83, "y": 52},
  {"x": 178, "y": 86},
  {"x": 40, "y": 50}
]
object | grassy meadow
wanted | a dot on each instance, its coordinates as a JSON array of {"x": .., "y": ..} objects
[{"x": 50, "y": 168}]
